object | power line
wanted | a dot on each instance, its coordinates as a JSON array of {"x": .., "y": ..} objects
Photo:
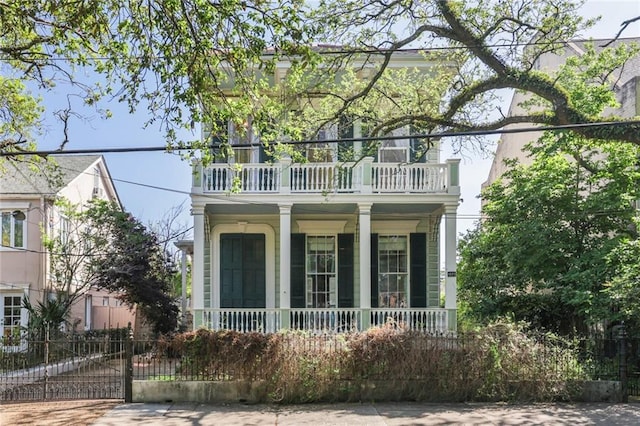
[
  {"x": 435, "y": 135},
  {"x": 328, "y": 50}
]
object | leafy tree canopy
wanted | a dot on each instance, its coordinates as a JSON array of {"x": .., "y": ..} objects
[
  {"x": 543, "y": 252},
  {"x": 552, "y": 236},
  {"x": 201, "y": 61}
]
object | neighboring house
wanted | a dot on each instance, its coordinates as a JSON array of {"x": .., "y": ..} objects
[
  {"x": 326, "y": 245},
  {"x": 27, "y": 204},
  {"x": 625, "y": 82}
]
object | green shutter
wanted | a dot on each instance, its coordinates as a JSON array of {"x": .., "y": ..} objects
[
  {"x": 231, "y": 270},
  {"x": 298, "y": 270},
  {"x": 417, "y": 149},
  {"x": 345, "y": 270},
  {"x": 418, "y": 270},
  {"x": 345, "y": 131},
  {"x": 374, "y": 271}
]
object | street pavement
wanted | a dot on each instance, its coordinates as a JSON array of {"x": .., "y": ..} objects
[{"x": 372, "y": 414}]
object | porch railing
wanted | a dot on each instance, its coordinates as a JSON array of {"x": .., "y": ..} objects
[
  {"x": 326, "y": 320},
  {"x": 331, "y": 320},
  {"x": 248, "y": 178},
  {"x": 387, "y": 177},
  {"x": 429, "y": 320},
  {"x": 325, "y": 177},
  {"x": 364, "y": 177},
  {"x": 244, "y": 320}
]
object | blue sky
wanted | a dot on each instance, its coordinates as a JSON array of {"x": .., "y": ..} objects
[{"x": 170, "y": 172}]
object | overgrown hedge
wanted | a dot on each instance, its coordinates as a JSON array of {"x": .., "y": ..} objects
[{"x": 498, "y": 363}]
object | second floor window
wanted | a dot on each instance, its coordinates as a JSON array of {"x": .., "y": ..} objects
[
  {"x": 64, "y": 230},
  {"x": 242, "y": 138},
  {"x": 13, "y": 229}
]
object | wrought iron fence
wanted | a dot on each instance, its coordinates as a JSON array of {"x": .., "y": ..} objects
[
  {"x": 104, "y": 366},
  {"x": 67, "y": 367}
]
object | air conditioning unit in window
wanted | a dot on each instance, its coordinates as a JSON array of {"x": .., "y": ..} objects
[{"x": 97, "y": 192}]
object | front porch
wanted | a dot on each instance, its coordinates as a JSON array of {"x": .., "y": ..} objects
[{"x": 327, "y": 321}]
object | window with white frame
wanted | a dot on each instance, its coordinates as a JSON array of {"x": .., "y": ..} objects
[
  {"x": 321, "y": 272},
  {"x": 321, "y": 152},
  {"x": 241, "y": 138},
  {"x": 395, "y": 150},
  {"x": 13, "y": 229},
  {"x": 65, "y": 225},
  {"x": 11, "y": 319},
  {"x": 393, "y": 271}
]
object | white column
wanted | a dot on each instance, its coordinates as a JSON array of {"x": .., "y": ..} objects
[
  {"x": 197, "y": 272},
  {"x": 450, "y": 244},
  {"x": 285, "y": 255},
  {"x": 183, "y": 299},
  {"x": 364, "y": 219}
]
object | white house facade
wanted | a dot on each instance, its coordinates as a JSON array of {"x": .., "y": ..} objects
[{"x": 325, "y": 246}]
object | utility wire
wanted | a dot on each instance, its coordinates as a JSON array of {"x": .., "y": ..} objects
[
  {"x": 327, "y": 50},
  {"x": 436, "y": 135}
]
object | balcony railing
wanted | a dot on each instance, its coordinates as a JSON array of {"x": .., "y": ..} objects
[
  {"x": 364, "y": 177},
  {"x": 332, "y": 320}
]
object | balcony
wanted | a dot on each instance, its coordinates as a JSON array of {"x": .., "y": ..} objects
[
  {"x": 364, "y": 177},
  {"x": 323, "y": 321}
]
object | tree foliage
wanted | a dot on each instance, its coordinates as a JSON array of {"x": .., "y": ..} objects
[
  {"x": 543, "y": 252},
  {"x": 501, "y": 42},
  {"x": 177, "y": 56},
  {"x": 195, "y": 61},
  {"x": 107, "y": 248}
]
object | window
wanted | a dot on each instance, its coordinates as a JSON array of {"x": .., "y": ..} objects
[
  {"x": 97, "y": 177},
  {"x": 105, "y": 301},
  {"x": 11, "y": 320},
  {"x": 64, "y": 230},
  {"x": 88, "y": 312},
  {"x": 242, "y": 134},
  {"x": 320, "y": 152},
  {"x": 321, "y": 272},
  {"x": 13, "y": 229},
  {"x": 393, "y": 275},
  {"x": 395, "y": 150}
]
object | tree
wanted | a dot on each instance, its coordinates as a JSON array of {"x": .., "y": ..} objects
[
  {"x": 177, "y": 56},
  {"x": 202, "y": 61},
  {"x": 103, "y": 247},
  {"x": 501, "y": 42},
  {"x": 544, "y": 250},
  {"x": 133, "y": 264}
]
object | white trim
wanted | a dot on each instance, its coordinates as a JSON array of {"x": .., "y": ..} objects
[
  {"x": 394, "y": 226},
  {"x": 321, "y": 227},
  {"x": 12, "y": 290},
  {"x": 270, "y": 258},
  {"x": 25, "y": 226},
  {"x": 15, "y": 205},
  {"x": 6, "y": 287}
]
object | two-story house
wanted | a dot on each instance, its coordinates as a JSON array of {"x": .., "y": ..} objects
[
  {"x": 27, "y": 205},
  {"x": 326, "y": 244}
]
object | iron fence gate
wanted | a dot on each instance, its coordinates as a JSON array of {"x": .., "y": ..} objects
[{"x": 68, "y": 368}]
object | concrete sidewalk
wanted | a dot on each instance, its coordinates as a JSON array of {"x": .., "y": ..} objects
[{"x": 373, "y": 414}]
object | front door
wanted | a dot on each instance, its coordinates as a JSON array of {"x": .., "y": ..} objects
[{"x": 242, "y": 271}]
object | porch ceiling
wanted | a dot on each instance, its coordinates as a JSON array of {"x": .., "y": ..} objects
[{"x": 329, "y": 208}]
